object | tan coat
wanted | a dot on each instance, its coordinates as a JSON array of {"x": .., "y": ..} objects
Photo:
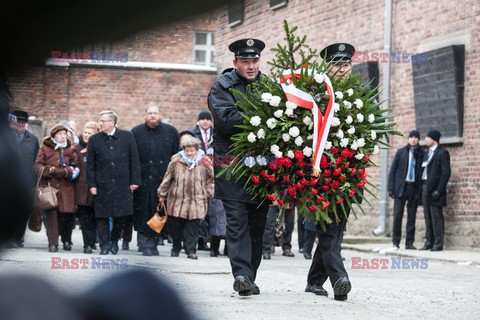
[{"x": 187, "y": 191}]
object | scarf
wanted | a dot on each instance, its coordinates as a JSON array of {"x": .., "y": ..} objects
[
  {"x": 59, "y": 145},
  {"x": 192, "y": 162}
]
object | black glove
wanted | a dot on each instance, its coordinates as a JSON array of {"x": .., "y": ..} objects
[{"x": 435, "y": 195}]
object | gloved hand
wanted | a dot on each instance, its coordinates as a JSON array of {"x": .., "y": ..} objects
[
  {"x": 435, "y": 195},
  {"x": 58, "y": 173}
]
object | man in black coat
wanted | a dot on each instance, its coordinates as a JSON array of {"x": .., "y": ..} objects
[
  {"x": 204, "y": 130},
  {"x": 245, "y": 219},
  {"x": 404, "y": 185},
  {"x": 113, "y": 173},
  {"x": 157, "y": 142},
  {"x": 435, "y": 176}
]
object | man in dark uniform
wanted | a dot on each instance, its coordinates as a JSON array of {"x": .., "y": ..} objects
[
  {"x": 157, "y": 142},
  {"x": 245, "y": 219},
  {"x": 327, "y": 261}
]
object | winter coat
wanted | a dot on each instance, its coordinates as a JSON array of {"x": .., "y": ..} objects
[
  {"x": 49, "y": 157},
  {"x": 398, "y": 172},
  {"x": 187, "y": 190},
  {"x": 28, "y": 150},
  {"x": 217, "y": 218},
  {"x": 226, "y": 116},
  {"x": 83, "y": 197},
  {"x": 112, "y": 166},
  {"x": 200, "y": 135},
  {"x": 438, "y": 174},
  {"x": 155, "y": 149}
]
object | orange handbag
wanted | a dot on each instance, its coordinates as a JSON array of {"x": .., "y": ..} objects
[{"x": 157, "y": 222}]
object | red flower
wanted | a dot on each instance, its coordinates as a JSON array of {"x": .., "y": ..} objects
[
  {"x": 362, "y": 183},
  {"x": 286, "y": 162},
  {"x": 299, "y": 155},
  {"x": 274, "y": 165},
  {"x": 328, "y": 181},
  {"x": 352, "y": 192},
  {"x": 362, "y": 172},
  {"x": 312, "y": 208},
  {"x": 299, "y": 186},
  {"x": 263, "y": 173},
  {"x": 313, "y": 181},
  {"x": 326, "y": 205},
  {"x": 324, "y": 162},
  {"x": 366, "y": 157},
  {"x": 304, "y": 182},
  {"x": 337, "y": 172},
  {"x": 300, "y": 173},
  {"x": 334, "y": 150},
  {"x": 255, "y": 179},
  {"x": 327, "y": 173},
  {"x": 320, "y": 200},
  {"x": 338, "y": 161},
  {"x": 272, "y": 179},
  {"x": 347, "y": 165},
  {"x": 271, "y": 197},
  {"x": 339, "y": 201},
  {"x": 286, "y": 179},
  {"x": 342, "y": 177},
  {"x": 325, "y": 188},
  {"x": 335, "y": 185},
  {"x": 345, "y": 153},
  {"x": 291, "y": 190},
  {"x": 280, "y": 202},
  {"x": 354, "y": 170},
  {"x": 301, "y": 164},
  {"x": 314, "y": 192}
]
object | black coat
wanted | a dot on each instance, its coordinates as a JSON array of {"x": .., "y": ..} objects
[
  {"x": 438, "y": 174},
  {"x": 199, "y": 133},
  {"x": 398, "y": 172},
  {"x": 28, "y": 151},
  {"x": 155, "y": 148},
  {"x": 226, "y": 116},
  {"x": 112, "y": 166}
]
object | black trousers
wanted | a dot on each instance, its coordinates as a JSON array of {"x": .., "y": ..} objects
[
  {"x": 128, "y": 230},
  {"x": 147, "y": 240},
  {"x": 434, "y": 221},
  {"x": 409, "y": 197},
  {"x": 327, "y": 260},
  {"x": 107, "y": 237},
  {"x": 245, "y": 227},
  {"x": 86, "y": 215},
  {"x": 306, "y": 237},
  {"x": 270, "y": 228},
  {"x": 188, "y": 230}
]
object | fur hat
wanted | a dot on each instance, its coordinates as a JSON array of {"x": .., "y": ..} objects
[
  {"x": 57, "y": 128},
  {"x": 191, "y": 142}
]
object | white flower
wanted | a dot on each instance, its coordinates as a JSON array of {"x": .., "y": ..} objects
[
  {"x": 278, "y": 113},
  {"x": 335, "y": 122},
  {"x": 373, "y": 134},
  {"x": 290, "y": 154},
  {"x": 289, "y": 112},
  {"x": 307, "y": 120},
  {"x": 358, "y": 103},
  {"x": 349, "y": 120},
  {"x": 266, "y": 97},
  {"x": 249, "y": 161},
  {"x": 351, "y": 130},
  {"x": 275, "y": 101},
  {"x": 310, "y": 137},
  {"x": 286, "y": 137},
  {"x": 307, "y": 151},
  {"x": 255, "y": 121},
  {"x": 294, "y": 132},
  {"x": 328, "y": 145},
  {"x": 344, "y": 142},
  {"x": 371, "y": 118},
  {"x": 339, "y": 95},
  {"x": 274, "y": 148},
  {"x": 278, "y": 154},
  {"x": 290, "y": 105},
  {"x": 319, "y": 78},
  {"x": 251, "y": 137},
  {"x": 354, "y": 145},
  {"x": 350, "y": 92},
  {"x": 339, "y": 134},
  {"x": 261, "y": 134},
  {"x": 271, "y": 123},
  {"x": 336, "y": 107},
  {"x": 359, "y": 156},
  {"x": 361, "y": 142},
  {"x": 347, "y": 104},
  {"x": 360, "y": 117},
  {"x": 298, "y": 141},
  {"x": 376, "y": 150},
  {"x": 261, "y": 160}
]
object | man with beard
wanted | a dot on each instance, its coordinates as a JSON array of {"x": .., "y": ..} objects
[
  {"x": 245, "y": 219},
  {"x": 157, "y": 142}
]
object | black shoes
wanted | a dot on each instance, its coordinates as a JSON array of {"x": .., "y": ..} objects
[
  {"x": 148, "y": 252},
  {"x": 434, "y": 248},
  {"x": 243, "y": 285},
  {"x": 104, "y": 251},
  {"x": 214, "y": 253},
  {"x": 307, "y": 255},
  {"x": 288, "y": 253},
  {"x": 267, "y": 256},
  {"x": 317, "y": 289},
  {"x": 53, "y": 248},
  {"x": 87, "y": 250},
  {"x": 410, "y": 247},
  {"x": 341, "y": 288},
  {"x": 67, "y": 246},
  {"x": 203, "y": 247},
  {"x": 425, "y": 247},
  {"x": 255, "y": 289},
  {"x": 114, "y": 249},
  {"x": 174, "y": 253},
  {"x": 192, "y": 256},
  {"x": 125, "y": 245}
]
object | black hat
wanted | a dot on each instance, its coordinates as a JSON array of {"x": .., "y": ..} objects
[
  {"x": 414, "y": 133},
  {"x": 184, "y": 132},
  {"x": 338, "y": 52},
  {"x": 247, "y": 48},
  {"x": 21, "y": 115},
  {"x": 434, "y": 134},
  {"x": 204, "y": 114}
]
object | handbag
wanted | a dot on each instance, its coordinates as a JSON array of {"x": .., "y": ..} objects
[
  {"x": 35, "y": 221},
  {"x": 157, "y": 222},
  {"x": 45, "y": 197}
]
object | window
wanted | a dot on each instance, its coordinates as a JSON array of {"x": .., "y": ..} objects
[
  {"x": 274, "y": 4},
  {"x": 235, "y": 12},
  {"x": 203, "y": 48}
]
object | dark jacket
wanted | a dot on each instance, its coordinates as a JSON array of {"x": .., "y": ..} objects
[
  {"x": 199, "y": 133},
  {"x": 398, "y": 172},
  {"x": 112, "y": 166},
  {"x": 83, "y": 197},
  {"x": 226, "y": 115},
  {"x": 29, "y": 149},
  {"x": 155, "y": 148},
  {"x": 438, "y": 174}
]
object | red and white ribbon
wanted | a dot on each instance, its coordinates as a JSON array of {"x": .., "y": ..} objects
[{"x": 321, "y": 123}]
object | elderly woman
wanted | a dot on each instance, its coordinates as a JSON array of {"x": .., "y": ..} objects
[
  {"x": 83, "y": 197},
  {"x": 187, "y": 186},
  {"x": 57, "y": 163}
]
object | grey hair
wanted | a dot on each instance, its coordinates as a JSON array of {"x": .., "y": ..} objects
[
  {"x": 151, "y": 105},
  {"x": 111, "y": 115},
  {"x": 190, "y": 142}
]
